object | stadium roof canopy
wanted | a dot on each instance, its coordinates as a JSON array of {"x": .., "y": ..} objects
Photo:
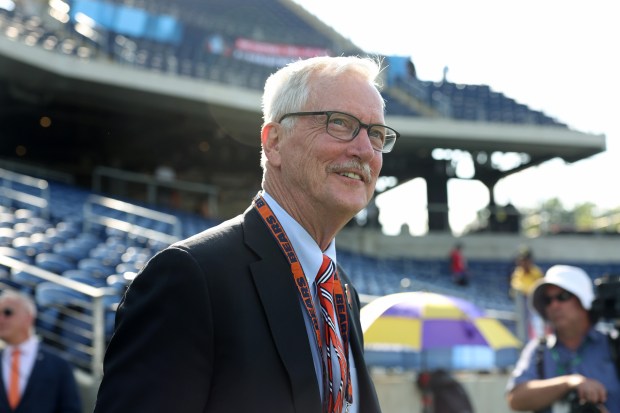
[
  {"x": 184, "y": 91},
  {"x": 116, "y": 105}
]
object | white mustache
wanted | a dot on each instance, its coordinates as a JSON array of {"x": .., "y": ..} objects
[{"x": 355, "y": 166}]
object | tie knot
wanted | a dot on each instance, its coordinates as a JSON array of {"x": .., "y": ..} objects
[{"x": 16, "y": 351}]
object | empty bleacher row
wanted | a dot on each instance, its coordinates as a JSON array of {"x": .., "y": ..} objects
[
  {"x": 377, "y": 277},
  {"x": 203, "y": 45},
  {"x": 489, "y": 283},
  {"x": 478, "y": 103}
]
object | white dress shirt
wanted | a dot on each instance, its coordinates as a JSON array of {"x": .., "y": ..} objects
[
  {"x": 28, "y": 355},
  {"x": 311, "y": 257}
]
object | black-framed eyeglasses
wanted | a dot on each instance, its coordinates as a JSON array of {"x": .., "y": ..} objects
[
  {"x": 345, "y": 127},
  {"x": 561, "y": 297},
  {"x": 7, "y": 312}
]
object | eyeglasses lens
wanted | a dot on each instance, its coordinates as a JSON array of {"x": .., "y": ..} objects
[
  {"x": 561, "y": 297},
  {"x": 346, "y": 127}
]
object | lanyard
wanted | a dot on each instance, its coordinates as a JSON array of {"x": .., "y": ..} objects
[
  {"x": 340, "y": 301},
  {"x": 563, "y": 367}
]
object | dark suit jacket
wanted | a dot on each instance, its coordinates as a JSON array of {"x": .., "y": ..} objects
[
  {"x": 51, "y": 388},
  {"x": 214, "y": 324}
]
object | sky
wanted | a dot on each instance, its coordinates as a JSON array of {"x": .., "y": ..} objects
[{"x": 559, "y": 57}]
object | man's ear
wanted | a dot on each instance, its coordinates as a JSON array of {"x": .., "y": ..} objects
[{"x": 270, "y": 140}]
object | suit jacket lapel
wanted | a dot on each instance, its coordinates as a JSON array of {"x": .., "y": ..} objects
[
  {"x": 37, "y": 371},
  {"x": 280, "y": 299},
  {"x": 4, "y": 397}
]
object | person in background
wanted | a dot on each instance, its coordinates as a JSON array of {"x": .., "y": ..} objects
[
  {"x": 574, "y": 362},
  {"x": 33, "y": 380},
  {"x": 441, "y": 392},
  {"x": 458, "y": 265},
  {"x": 254, "y": 315},
  {"x": 522, "y": 279}
]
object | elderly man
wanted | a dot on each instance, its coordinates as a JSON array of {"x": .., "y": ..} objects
[
  {"x": 33, "y": 380},
  {"x": 254, "y": 315},
  {"x": 575, "y": 359}
]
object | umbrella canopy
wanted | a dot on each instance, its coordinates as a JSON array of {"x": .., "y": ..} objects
[{"x": 440, "y": 326}]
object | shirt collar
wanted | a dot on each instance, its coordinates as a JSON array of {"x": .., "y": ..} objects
[
  {"x": 593, "y": 335},
  {"x": 27, "y": 347},
  {"x": 308, "y": 252}
]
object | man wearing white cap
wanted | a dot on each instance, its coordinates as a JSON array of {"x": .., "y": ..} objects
[{"x": 575, "y": 358}]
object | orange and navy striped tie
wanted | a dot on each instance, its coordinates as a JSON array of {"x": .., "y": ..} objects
[
  {"x": 336, "y": 386},
  {"x": 14, "y": 393}
]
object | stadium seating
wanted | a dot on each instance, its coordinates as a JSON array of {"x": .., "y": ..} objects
[
  {"x": 202, "y": 47},
  {"x": 55, "y": 263},
  {"x": 109, "y": 258}
]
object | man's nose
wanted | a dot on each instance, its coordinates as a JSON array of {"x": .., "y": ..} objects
[{"x": 363, "y": 144}]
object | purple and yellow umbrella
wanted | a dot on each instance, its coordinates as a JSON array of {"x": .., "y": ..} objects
[{"x": 443, "y": 331}]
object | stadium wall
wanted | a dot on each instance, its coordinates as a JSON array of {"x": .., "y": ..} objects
[
  {"x": 560, "y": 248},
  {"x": 398, "y": 392}
]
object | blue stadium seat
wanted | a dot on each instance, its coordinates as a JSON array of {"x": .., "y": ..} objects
[
  {"x": 68, "y": 229},
  {"x": 40, "y": 242},
  {"x": 78, "y": 247},
  {"x": 7, "y": 235},
  {"x": 25, "y": 245},
  {"x": 5, "y": 280},
  {"x": 23, "y": 215},
  {"x": 23, "y": 229},
  {"x": 86, "y": 277},
  {"x": 48, "y": 294},
  {"x": 7, "y": 219},
  {"x": 55, "y": 263},
  {"x": 97, "y": 268},
  {"x": 20, "y": 255},
  {"x": 118, "y": 282},
  {"x": 39, "y": 224},
  {"x": 128, "y": 267},
  {"x": 54, "y": 237},
  {"x": 26, "y": 281}
]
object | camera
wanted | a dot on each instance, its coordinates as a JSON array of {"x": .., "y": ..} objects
[
  {"x": 576, "y": 407},
  {"x": 606, "y": 304}
]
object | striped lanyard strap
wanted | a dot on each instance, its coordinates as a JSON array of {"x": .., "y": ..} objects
[{"x": 340, "y": 299}]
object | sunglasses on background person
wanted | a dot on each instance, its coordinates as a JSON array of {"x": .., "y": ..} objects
[
  {"x": 561, "y": 297},
  {"x": 7, "y": 312}
]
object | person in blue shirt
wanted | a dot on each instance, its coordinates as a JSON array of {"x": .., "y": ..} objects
[{"x": 574, "y": 360}]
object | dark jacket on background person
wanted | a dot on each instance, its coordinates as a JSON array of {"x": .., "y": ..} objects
[{"x": 51, "y": 388}]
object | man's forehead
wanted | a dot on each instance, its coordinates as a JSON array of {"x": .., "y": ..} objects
[
  {"x": 327, "y": 90},
  {"x": 10, "y": 301}
]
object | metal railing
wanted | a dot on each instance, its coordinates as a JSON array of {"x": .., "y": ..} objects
[
  {"x": 97, "y": 209},
  {"x": 9, "y": 191},
  {"x": 35, "y": 170},
  {"x": 153, "y": 185}
]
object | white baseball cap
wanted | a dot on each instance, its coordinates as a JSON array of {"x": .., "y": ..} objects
[{"x": 572, "y": 279}]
